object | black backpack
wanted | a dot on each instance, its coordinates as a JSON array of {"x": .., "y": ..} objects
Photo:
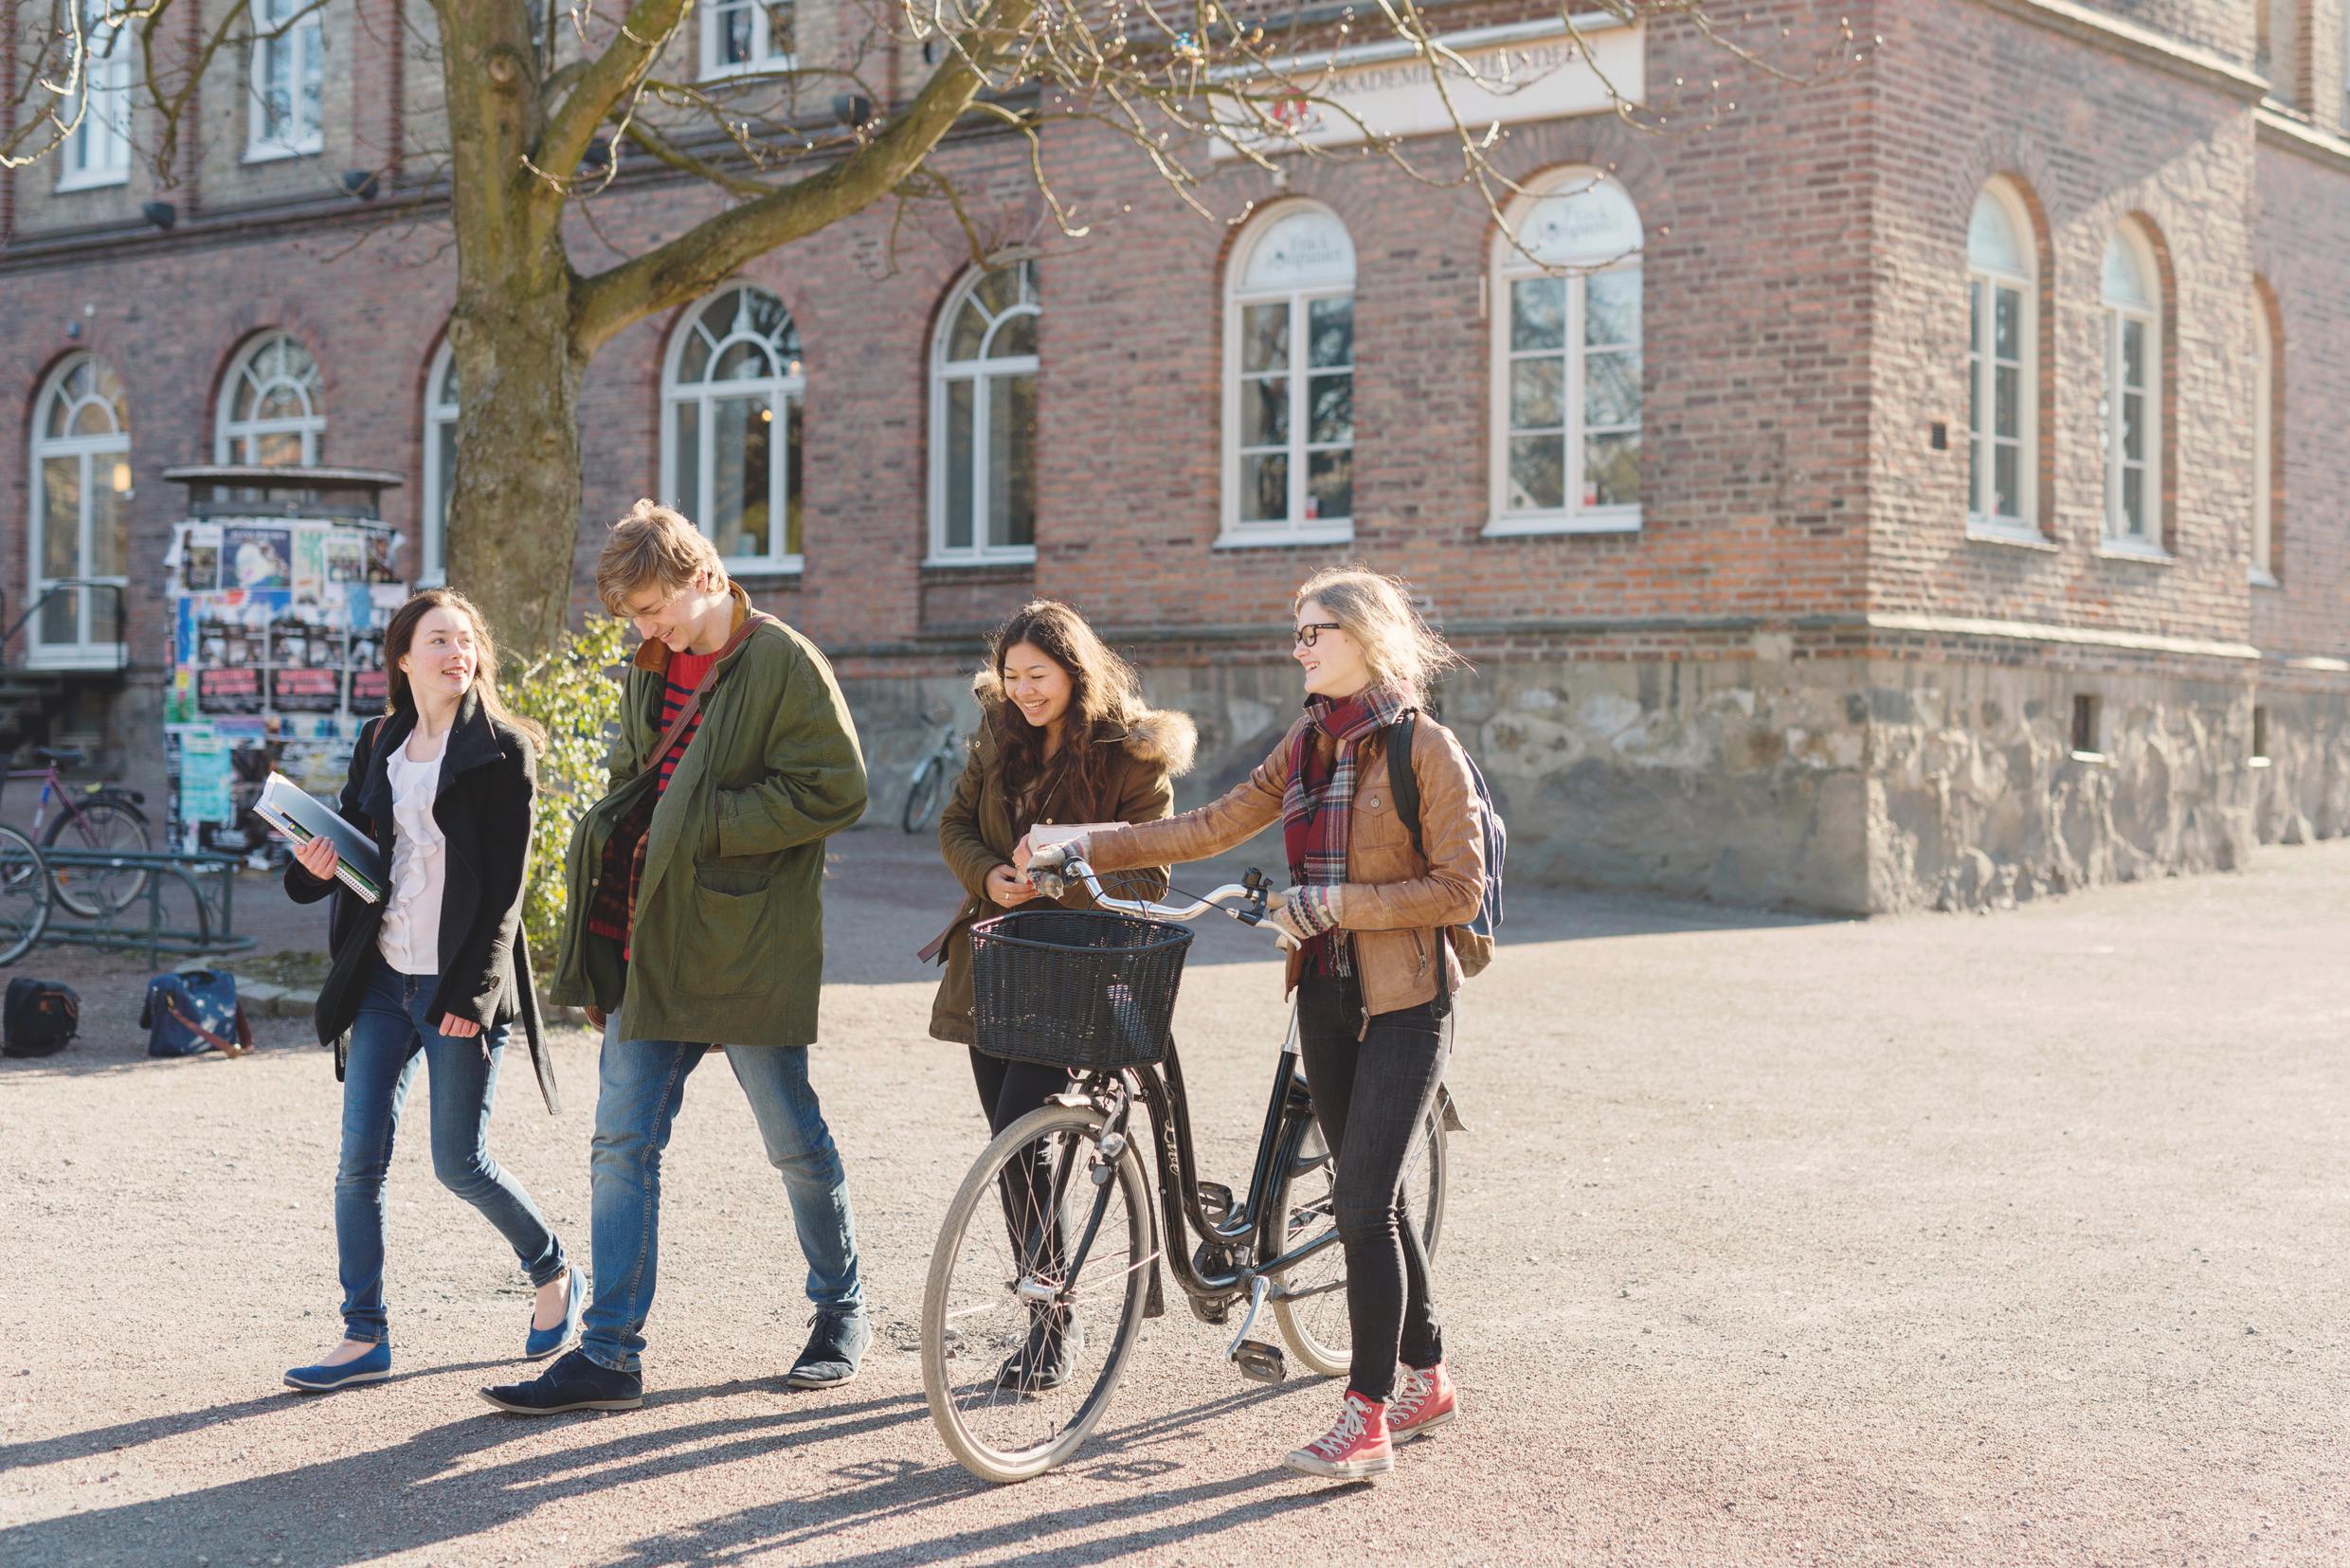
[
  {"x": 1472, "y": 943},
  {"x": 39, "y": 1019}
]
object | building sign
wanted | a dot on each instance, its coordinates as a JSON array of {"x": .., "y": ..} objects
[{"x": 1513, "y": 74}]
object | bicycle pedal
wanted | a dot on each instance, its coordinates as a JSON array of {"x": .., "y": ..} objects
[
  {"x": 1215, "y": 1202},
  {"x": 1260, "y": 1362}
]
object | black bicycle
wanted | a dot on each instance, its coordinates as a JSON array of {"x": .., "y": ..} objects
[
  {"x": 1049, "y": 1258},
  {"x": 932, "y": 776}
]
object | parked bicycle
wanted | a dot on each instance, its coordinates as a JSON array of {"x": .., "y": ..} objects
[
  {"x": 104, "y": 818},
  {"x": 23, "y": 895},
  {"x": 932, "y": 777},
  {"x": 1048, "y": 1260}
]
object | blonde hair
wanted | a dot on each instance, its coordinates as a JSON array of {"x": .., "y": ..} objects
[
  {"x": 654, "y": 544},
  {"x": 1377, "y": 612}
]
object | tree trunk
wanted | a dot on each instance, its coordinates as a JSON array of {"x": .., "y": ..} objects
[
  {"x": 514, "y": 521},
  {"x": 515, "y": 517}
]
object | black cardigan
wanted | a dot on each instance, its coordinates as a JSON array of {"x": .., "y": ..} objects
[{"x": 488, "y": 776}]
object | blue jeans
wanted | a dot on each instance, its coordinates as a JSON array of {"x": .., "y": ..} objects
[
  {"x": 640, "y": 1085},
  {"x": 391, "y": 1035}
]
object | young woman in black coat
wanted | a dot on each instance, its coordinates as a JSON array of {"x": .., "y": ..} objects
[{"x": 436, "y": 972}]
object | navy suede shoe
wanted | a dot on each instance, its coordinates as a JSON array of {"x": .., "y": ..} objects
[
  {"x": 543, "y": 1343},
  {"x": 572, "y": 1383},
  {"x": 373, "y": 1367},
  {"x": 836, "y": 1344}
]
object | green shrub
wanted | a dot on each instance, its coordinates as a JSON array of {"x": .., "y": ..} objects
[{"x": 573, "y": 691}]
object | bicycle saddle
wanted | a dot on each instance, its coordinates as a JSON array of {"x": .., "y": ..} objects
[{"x": 63, "y": 759}]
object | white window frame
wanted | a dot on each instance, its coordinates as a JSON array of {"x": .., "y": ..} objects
[
  {"x": 1297, "y": 528},
  {"x": 99, "y": 151},
  {"x": 432, "y": 533},
  {"x": 301, "y": 52},
  {"x": 112, "y": 448},
  {"x": 945, "y": 372},
  {"x": 765, "y": 57},
  {"x": 231, "y": 433},
  {"x": 1509, "y": 266},
  {"x": 1984, "y": 279},
  {"x": 2262, "y": 572},
  {"x": 782, "y": 392},
  {"x": 2119, "y": 538}
]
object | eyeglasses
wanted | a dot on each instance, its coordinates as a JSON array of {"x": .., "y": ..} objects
[{"x": 1311, "y": 633}]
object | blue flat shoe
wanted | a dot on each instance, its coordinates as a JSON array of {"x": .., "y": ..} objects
[
  {"x": 373, "y": 1367},
  {"x": 543, "y": 1342}
]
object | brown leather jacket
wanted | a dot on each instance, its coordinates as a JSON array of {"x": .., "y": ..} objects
[{"x": 1397, "y": 905}]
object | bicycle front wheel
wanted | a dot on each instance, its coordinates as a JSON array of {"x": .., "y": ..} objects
[
  {"x": 109, "y": 826},
  {"x": 922, "y": 796},
  {"x": 24, "y": 895},
  {"x": 1313, "y": 1318},
  {"x": 1024, "y": 1344}
]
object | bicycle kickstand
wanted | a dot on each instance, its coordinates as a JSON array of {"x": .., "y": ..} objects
[{"x": 1259, "y": 1361}]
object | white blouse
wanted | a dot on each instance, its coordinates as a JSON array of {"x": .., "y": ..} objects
[{"x": 410, "y": 938}]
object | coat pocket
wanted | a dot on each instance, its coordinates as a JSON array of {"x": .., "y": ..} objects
[{"x": 730, "y": 947}]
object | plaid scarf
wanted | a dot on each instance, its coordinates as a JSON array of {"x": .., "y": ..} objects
[{"x": 1318, "y": 808}]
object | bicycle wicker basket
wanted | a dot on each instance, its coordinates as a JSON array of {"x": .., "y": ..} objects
[{"x": 1075, "y": 988}]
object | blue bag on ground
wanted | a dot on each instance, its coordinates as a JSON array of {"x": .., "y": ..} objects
[{"x": 194, "y": 1011}]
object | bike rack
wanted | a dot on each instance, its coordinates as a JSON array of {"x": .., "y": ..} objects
[{"x": 214, "y": 933}]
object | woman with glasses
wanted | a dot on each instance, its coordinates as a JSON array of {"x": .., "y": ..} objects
[
  {"x": 1367, "y": 919},
  {"x": 1064, "y": 736}
]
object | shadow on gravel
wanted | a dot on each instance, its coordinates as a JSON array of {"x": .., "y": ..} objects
[
  {"x": 897, "y": 1489},
  {"x": 359, "y": 1507}
]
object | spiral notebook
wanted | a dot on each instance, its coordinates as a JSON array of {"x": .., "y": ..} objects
[{"x": 292, "y": 812}]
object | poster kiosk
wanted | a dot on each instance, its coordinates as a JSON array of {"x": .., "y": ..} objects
[{"x": 281, "y": 584}]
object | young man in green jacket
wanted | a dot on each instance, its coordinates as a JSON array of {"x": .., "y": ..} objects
[{"x": 694, "y": 918}]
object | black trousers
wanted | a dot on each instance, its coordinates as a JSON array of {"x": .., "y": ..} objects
[
  {"x": 1372, "y": 1096},
  {"x": 1007, "y": 1092}
]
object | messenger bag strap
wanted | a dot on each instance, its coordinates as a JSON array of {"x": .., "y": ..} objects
[
  {"x": 238, "y": 1047},
  {"x": 694, "y": 702}
]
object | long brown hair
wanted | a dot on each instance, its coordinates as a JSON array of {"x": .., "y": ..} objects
[
  {"x": 398, "y": 699},
  {"x": 1377, "y": 610},
  {"x": 1105, "y": 698}
]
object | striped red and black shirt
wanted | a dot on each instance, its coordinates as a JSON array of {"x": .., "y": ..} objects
[{"x": 614, "y": 914}]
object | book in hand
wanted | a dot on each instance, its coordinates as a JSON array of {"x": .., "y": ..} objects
[{"x": 293, "y": 813}]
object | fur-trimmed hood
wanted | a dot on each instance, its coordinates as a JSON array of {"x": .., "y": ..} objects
[{"x": 1158, "y": 735}]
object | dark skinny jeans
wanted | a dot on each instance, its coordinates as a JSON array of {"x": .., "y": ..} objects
[
  {"x": 1372, "y": 1096},
  {"x": 1007, "y": 1092}
]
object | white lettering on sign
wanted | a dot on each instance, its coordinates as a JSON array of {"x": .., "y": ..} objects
[{"x": 1506, "y": 83}]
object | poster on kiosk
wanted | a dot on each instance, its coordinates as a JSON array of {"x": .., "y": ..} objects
[{"x": 281, "y": 581}]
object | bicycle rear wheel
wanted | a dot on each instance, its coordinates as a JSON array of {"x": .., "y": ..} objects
[
  {"x": 922, "y": 795},
  {"x": 1017, "y": 1384},
  {"x": 109, "y": 825},
  {"x": 24, "y": 895},
  {"x": 1314, "y": 1321}
]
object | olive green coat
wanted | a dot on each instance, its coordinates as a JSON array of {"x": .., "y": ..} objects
[
  {"x": 729, "y": 943},
  {"x": 977, "y": 830}
]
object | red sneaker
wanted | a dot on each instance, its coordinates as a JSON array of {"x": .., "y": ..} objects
[
  {"x": 1354, "y": 1450},
  {"x": 1423, "y": 1399}
]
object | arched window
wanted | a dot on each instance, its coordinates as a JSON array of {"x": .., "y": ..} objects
[
  {"x": 2002, "y": 364},
  {"x": 1566, "y": 360},
  {"x": 1289, "y": 381},
  {"x": 270, "y": 411},
  {"x": 984, "y": 420},
  {"x": 2267, "y": 465},
  {"x": 80, "y": 511},
  {"x": 99, "y": 151},
  {"x": 731, "y": 427},
  {"x": 2132, "y": 411},
  {"x": 440, "y": 466}
]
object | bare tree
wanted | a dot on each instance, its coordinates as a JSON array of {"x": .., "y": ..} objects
[{"x": 546, "y": 104}]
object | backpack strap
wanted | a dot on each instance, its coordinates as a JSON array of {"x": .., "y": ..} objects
[{"x": 1401, "y": 782}]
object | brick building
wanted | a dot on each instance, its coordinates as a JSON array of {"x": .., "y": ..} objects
[{"x": 1924, "y": 488}]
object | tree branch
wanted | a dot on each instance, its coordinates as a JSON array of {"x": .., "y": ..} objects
[
  {"x": 692, "y": 263},
  {"x": 612, "y": 76}
]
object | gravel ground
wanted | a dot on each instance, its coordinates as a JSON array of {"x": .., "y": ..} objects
[{"x": 1926, "y": 1240}]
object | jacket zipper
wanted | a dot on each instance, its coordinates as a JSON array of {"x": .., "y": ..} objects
[{"x": 1422, "y": 950}]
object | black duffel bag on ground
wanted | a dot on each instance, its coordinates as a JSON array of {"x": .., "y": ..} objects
[{"x": 39, "y": 1019}]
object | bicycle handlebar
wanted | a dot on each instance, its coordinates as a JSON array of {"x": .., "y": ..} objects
[{"x": 1251, "y": 891}]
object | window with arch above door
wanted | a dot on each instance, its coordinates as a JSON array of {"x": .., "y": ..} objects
[
  {"x": 1566, "y": 356},
  {"x": 1289, "y": 381}
]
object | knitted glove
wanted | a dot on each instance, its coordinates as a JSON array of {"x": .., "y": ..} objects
[{"x": 1305, "y": 913}]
